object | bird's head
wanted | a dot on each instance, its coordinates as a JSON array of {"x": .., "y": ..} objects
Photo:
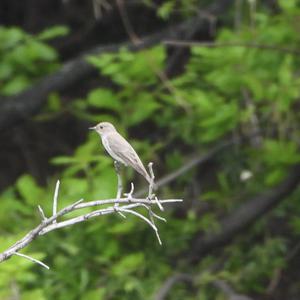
[{"x": 103, "y": 128}]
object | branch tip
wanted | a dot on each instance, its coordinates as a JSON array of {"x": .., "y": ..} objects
[
  {"x": 32, "y": 259},
  {"x": 42, "y": 214},
  {"x": 55, "y": 199}
]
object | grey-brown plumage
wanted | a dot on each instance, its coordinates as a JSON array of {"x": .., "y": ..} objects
[{"x": 119, "y": 149}]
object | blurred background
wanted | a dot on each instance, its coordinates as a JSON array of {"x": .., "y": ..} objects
[{"x": 208, "y": 91}]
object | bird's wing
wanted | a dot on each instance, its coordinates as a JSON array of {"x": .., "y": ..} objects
[
  {"x": 126, "y": 153},
  {"x": 122, "y": 149}
]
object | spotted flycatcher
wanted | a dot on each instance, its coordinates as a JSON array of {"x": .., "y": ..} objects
[{"x": 119, "y": 149}]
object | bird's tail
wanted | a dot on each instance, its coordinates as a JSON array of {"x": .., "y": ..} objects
[{"x": 145, "y": 174}]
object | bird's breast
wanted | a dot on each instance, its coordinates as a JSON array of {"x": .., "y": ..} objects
[{"x": 107, "y": 147}]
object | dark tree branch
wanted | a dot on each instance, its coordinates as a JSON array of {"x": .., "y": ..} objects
[
  {"x": 244, "y": 216},
  {"x": 228, "y": 291},
  {"x": 196, "y": 161},
  {"x": 189, "y": 280},
  {"x": 171, "y": 281},
  {"x": 22, "y": 106}
]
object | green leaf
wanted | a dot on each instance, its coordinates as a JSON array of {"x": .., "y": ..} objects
[
  {"x": 275, "y": 176},
  {"x": 129, "y": 264},
  {"x": 288, "y": 5},
  {"x": 63, "y": 160},
  {"x": 37, "y": 294},
  {"x": 29, "y": 190},
  {"x": 104, "y": 98},
  {"x": 143, "y": 108},
  {"x": 280, "y": 152},
  {"x": 98, "y": 294},
  {"x": 74, "y": 188},
  {"x": 126, "y": 69},
  {"x": 53, "y": 32},
  {"x": 295, "y": 224},
  {"x": 166, "y": 9},
  {"x": 15, "y": 85},
  {"x": 10, "y": 37},
  {"x": 38, "y": 50},
  {"x": 101, "y": 60},
  {"x": 121, "y": 228},
  {"x": 54, "y": 102},
  {"x": 107, "y": 180},
  {"x": 6, "y": 70}
]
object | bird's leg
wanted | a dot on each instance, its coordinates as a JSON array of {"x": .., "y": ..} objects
[
  {"x": 151, "y": 195},
  {"x": 152, "y": 186},
  {"x": 120, "y": 186}
]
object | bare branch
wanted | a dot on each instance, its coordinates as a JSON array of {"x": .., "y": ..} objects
[
  {"x": 170, "y": 282},
  {"x": 53, "y": 223},
  {"x": 123, "y": 201}
]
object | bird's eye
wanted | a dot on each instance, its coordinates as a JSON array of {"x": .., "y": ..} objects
[{"x": 101, "y": 127}]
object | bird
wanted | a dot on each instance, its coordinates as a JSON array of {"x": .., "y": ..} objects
[{"x": 119, "y": 149}]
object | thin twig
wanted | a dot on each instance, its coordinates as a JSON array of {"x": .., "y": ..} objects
[
  {"x": 42, "y": 213},
  {"x": 152, "y": 221},
  {"x": 158, "y": 203},
  {"x": 55, "y": 199},
  {"x": 32, "y": 259},
  {"x": 146, "y": 220},
  {"x": 116, "y": 209},
  {"x": 153, "y": 214},
  {"x": 230, "y": 44},
  {"x": 129, "y": 195}
]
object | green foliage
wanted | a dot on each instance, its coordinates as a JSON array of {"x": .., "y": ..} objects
[
  {"x": 182, "y": 7},
  {"x": 25, "y": 57},
  {"x": 29, "y": 190},
  {"x": 259, "y": 263},
  {"x": 131, "y": 68},
  {"x": 219, "y": 94}
]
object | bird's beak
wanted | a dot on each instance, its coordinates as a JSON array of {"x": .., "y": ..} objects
[{"x": 92, "y": 128}]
